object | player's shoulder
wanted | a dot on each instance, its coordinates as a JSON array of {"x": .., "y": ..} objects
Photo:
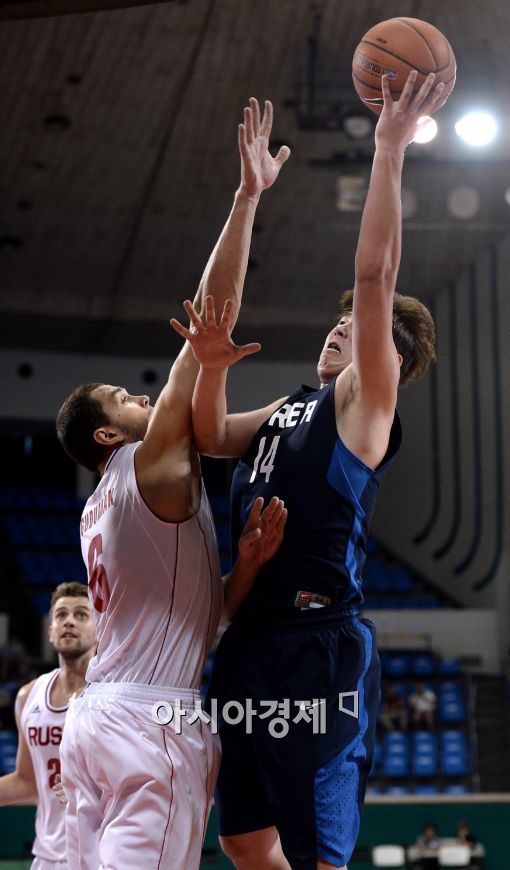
[{"x": 23, "y": 695}]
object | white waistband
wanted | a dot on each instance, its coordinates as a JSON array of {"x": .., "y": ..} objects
[{"x": 142, "y": 692}]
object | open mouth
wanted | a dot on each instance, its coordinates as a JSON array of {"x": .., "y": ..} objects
[
  {"x": 68, "y": 634},
  {"x": 333, "y": 346}
]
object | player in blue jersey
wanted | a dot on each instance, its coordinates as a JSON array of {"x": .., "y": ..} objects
[{"x": 297, "y": 658}]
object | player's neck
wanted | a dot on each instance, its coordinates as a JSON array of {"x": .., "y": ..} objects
[{"x": 71, "y": 678}]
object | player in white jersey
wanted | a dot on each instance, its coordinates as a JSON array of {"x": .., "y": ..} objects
[
  {"x": 40, "y": 713},
  {"x": 139, "y": 791}
]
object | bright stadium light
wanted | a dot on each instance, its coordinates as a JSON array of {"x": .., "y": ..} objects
[
  {"x": 426, "y": 130},
  {"x": 477, "y": 128}
]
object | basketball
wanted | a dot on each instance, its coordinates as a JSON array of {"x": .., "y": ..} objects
[{"x": 395, "y": 47}]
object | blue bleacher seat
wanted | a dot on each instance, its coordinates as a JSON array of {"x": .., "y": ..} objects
[
  {"x": 450, "y": 740},
  {"x": 397, "y": 664},
  {"x": 395, "y": 738},
  {"x": 424, "y": 741},
  {"x": 375, "y": 578},
  {"x": 395, "y": 765},
  {"x": 455, "y": 789},
  {"x": 397, "y": 790},
  {"x": 426, "y": 789},
  {"x": 454, "y": 764},
  {"x": 424, "y": 764},
  {"x": 7, "y": 737},
  {"x": 451, "y": 711},
  {"x": 401, "y": 579},
  {"x": 423, "y": 664},
  {"x": 449, "y": 666}
]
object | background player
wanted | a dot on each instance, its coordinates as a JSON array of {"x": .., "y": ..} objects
[
  {"x": 40, "y": 714},
  {"x": 298, "y": 635},
  {"x": 139, "y": 792}
]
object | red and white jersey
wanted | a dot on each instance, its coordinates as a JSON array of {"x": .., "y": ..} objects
[
  {"x": 155, "y": 586},
  {"x": 42, "y": 726}
]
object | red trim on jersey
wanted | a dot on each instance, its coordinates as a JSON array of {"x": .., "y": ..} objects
[
  {"x": 112, "y": 454},
  {"x": 171, "y": 798},
  {"x": 171, "y": 605},
  {"x": 47, "y": 696},
  {"x": 207, "y": 777},
  {"x": 206, "y": 649}
]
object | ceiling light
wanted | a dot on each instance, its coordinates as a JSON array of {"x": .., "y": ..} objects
[
  {"x": 477, "y": 128},
  {"x": 426, "y": 130},
  {"x": 463, "y": 202},
  {"x": 357, "y": 126}
]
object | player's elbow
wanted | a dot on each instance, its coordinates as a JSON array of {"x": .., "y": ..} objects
[
  {"x": 378, "y": 267},
  {"x": 377, "y": 277},
  {"x": 207, "y": 446}
]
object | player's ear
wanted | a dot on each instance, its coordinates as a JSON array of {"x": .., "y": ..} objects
[
  {"x": 108, "y": 436},
  {"x": 400, "y": 359}
]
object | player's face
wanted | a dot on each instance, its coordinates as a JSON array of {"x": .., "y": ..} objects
[
  {"x": 130, "y": 414},
  {"x": 72, "y": 631},
  {"x": 337, "y": 351}
]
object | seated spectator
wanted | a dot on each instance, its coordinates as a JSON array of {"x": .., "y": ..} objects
[
  {"x": 423, "y": 855},
  {"x": 465, "y": 835},
  {"x": 423, "y": 705},
  {"x": 428, "y": 840},
  {"x": 393, "y": 713}
]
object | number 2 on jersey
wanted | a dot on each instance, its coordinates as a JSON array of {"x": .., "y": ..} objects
[
  {"x": 98, "y": 580},
  {"x": 53, "y": 765},
  {"x": 267, "y": 463}
]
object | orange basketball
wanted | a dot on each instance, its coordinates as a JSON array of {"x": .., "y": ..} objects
[{"x": 394, "y": 48}]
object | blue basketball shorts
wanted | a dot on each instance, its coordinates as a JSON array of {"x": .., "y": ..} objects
[{"x": 300, "y": 761}]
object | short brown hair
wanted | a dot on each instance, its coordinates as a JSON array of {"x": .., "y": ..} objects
[
  {"x": 68, "y": 590},
  {"x": 77, "y": 420},
  {"x": 414, "y": 334}
]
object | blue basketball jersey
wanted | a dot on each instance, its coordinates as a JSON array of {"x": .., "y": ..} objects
[{"x": 330, "y": 494}]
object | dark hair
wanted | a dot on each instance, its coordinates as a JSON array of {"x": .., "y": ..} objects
[
  {"x": 77, "y": 420},
  {"x": 414, "y": 334},
  {"x": 68, "y": 590}
]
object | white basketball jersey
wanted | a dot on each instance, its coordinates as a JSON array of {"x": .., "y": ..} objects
[
  {"x": 155, "y": 586},
  {"x": 42, "y": 726}
]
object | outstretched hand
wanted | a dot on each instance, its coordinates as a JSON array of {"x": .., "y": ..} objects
[
  {"x": 210, "y": 341},
  {"x": 263, "y": 532},
  {"x": 398, "y": 119},
  {"x": 259, "y": 170}
]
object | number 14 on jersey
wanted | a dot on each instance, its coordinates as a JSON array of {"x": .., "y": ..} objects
[{"x": 265, "y": 464}]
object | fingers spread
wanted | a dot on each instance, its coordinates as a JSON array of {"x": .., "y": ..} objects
[
  {"x": 254, "y": 515},
  {"x": 248, "y": 123},
  {"x": 407, "y": 90},
  {"x": 255, "y": 108},
  {"x": 248, "y": 349},
  {"x": 226, "y": 314},
  {"x": 180, "y": 328},
  {"x": 423, "y": 92},
  {"x": 283, "y": 155},
  {"x": 385, "y": 86},
  {"x": 267, "y": 120}
]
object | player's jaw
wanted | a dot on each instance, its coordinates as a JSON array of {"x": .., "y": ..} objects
[
  {"x": 336, "y": 353},
  {"x": 128, "y": 413},
  {"x": 71, "y": 645},
  {"x": 72, "y": 631}
]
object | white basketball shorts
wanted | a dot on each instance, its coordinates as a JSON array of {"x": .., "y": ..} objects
[{"x": 139, "y": 793}]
